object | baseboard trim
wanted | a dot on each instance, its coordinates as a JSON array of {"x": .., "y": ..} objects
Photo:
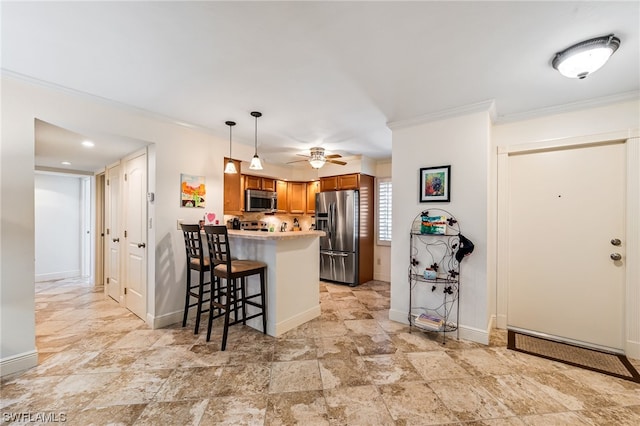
[
  {"x": 632, "y": 349},
  {"x": 57, "y": 275},
  {"x": 290, "y": 323},
  {"x": 20, "y": 362},
  {"x": 468, "y": 333},
  {"x": 166, "y": 320},
  {"x": 382, "y": 277}
]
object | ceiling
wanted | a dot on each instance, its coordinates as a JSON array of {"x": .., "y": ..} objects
[{"x": 329, "y": 74}]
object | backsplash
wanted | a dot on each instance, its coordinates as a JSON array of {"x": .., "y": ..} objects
[{"x": 306, "y": 221}]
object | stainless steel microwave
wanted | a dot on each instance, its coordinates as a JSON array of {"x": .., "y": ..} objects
[{"x": 260, "y": 201}]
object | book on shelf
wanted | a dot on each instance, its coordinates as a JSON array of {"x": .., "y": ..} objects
[
  {"x": 429, "y": 320},
  {"x": 434, "y": 225}
]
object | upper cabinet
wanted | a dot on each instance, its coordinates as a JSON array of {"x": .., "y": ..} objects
[
  {"x": 297, "y": 197},
  {"x": 340, "y": 182},
  {"x": 257, "y": 182},
  {"x": 281, "y": 189},
  {"x": 233, "y": 190},
  {"x": 312, "y": 189}
]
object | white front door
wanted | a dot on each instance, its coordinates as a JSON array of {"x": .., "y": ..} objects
[
  {"x": 566, "y": 211},
  {"x": 135, "y": 187},
  {"x": 113, "y": 237}
]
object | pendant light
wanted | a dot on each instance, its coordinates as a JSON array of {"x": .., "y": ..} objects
[
  {"x": 586, "y": 57},
  {"x": 256, "y": 164},
  {"x": 230, "y": 168}
]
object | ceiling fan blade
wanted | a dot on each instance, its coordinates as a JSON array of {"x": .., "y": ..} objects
[
  {"x": 302, "y": 155},
  {"x": 342, "y": 163},
  {"x": 333, "y": 156},
  {"x": 296, "y": 161}
]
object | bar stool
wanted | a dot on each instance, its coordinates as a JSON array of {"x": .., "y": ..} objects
[
  {"x": 232, "y": 297},
  {"x": 196, "y": 261}
]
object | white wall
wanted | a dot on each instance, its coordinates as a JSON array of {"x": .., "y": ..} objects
[
  {"x": 464, "y": 143},
  {"x": 57, "y": 226},
  {"x": 178, "y": 149}
]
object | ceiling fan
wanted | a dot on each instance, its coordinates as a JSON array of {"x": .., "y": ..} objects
[{"x": 318, "y": 158}]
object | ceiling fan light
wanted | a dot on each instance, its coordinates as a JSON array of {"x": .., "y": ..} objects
[
  {"x": 317, "y": 163},
  {"x": 584, "y": 58},
  {"x": 256, "y": 164}
]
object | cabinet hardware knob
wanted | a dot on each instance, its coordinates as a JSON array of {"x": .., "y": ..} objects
[
  {"x": 615, "y": 242},
  {"x": 615, "y": 256},
  {"x": 141, "y": 245}
]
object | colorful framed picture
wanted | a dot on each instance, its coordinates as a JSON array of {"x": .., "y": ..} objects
[
  {"x": 192, "y": 191},
  {"x": 435, "y": 184}
]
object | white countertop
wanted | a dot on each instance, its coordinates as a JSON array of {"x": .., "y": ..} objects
[{"x": 261, "y": 235}]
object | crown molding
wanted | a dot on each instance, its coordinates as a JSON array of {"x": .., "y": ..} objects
[
  {"x": 570, "y": 107},
  {"x": 484, "y": 106},
  {"x": 99, "y": 99}
]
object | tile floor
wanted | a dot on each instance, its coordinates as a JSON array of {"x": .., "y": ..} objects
[{"x": 99, "y": 364}]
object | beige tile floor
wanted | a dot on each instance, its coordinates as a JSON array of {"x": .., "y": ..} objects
[{"x": 99, "y": 364}]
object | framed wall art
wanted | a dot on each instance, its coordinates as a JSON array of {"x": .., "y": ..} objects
[
  {"x": 435, "y": 184},
  {"x": 192, "y": 191}
]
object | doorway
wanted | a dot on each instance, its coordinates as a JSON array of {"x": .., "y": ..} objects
[
  {"x": 629, "y": 249},
  {"x": 567, "y": 244}
]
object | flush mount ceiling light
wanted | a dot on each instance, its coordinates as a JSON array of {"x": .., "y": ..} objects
[
  {"x": 256, "y": 164},
  {"x": 317, "y": 158},
  {"x": 230, "y": 168},
  {"x": 88, "y": 144},
  {"x": 586, "y": 57}
]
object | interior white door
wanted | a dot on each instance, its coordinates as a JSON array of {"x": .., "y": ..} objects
[
  {"x": 113, "y": 232},
  {"x": 135, "y": 185},
  {"x": 565, "y": 208}
]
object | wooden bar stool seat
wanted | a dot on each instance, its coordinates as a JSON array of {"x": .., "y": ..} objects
[
  {"x": 196, "y": 261},
  {"x": 230, "y": 293}
]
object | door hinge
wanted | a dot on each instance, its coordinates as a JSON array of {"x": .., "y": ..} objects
[
  {"x": 125, "y": 291},
  {"x": 108, "y": 231},
  {"x": 125, "y": 234},
  {"x": 107, "y": 182},
  {"x": 125, "y": 177},
  {"x": 107, "y": 280}
]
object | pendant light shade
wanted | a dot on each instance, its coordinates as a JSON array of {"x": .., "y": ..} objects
[
  {"x": 256, "y": 164},
  {"x": 230, "y": 168},
  {"x": 586, "y": 57}
]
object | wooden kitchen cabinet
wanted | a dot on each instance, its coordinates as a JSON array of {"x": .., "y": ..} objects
[
  {"x": 268, "y": 184},
  {"x": 312, "y": 189},
  {"x": 340, "y": 182},
  {"x": 351, "y": 181},
  {"x": 297, "y": 196},
  {"x": 282, "y": 191},
  {"x": 233, "y": 190},
  {"x": 257, "y": 182}
]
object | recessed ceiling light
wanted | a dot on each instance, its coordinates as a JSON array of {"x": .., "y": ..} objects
[
  {"x": 88, "y": 144},
  {"x": 66, "y": 163}
]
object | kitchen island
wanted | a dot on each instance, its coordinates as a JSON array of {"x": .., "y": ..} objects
[{"x": 293, "y": 262}]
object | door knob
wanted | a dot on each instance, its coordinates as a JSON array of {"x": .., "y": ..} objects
[
  {"x": 115, "y": 240},
  {"x": 141, "y": 245},
  {"x": 615, "y": 256}
]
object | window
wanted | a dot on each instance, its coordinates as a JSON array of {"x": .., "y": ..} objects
[{"x": 384, "y": 211}]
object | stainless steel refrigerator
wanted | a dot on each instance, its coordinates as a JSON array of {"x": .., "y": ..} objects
[{"x": 337, "y": 214}]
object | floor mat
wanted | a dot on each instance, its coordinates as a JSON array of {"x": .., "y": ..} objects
[{"x": 603, "y": 362}]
